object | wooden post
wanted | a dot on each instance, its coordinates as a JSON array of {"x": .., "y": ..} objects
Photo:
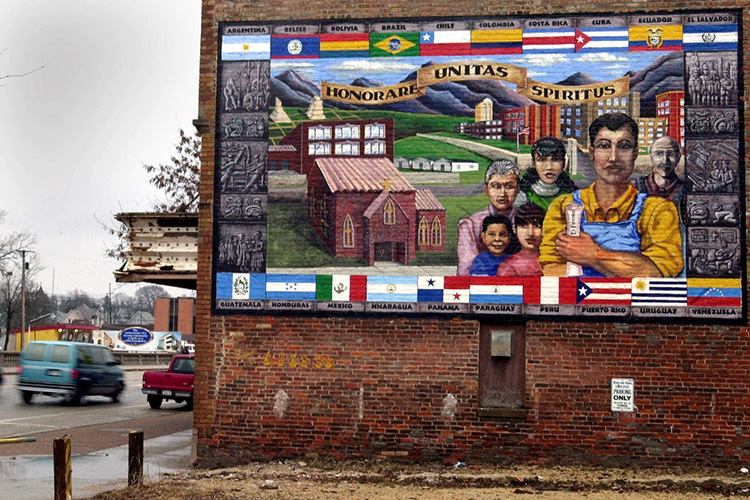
[
  {"x": 135, "y": 458},
  {"x": 62, "y": 467}
]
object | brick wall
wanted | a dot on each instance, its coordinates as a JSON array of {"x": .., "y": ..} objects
[{"x": 285, "y": 385}]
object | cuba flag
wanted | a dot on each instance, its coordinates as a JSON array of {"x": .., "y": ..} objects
[{"x": 295, "y": 47}]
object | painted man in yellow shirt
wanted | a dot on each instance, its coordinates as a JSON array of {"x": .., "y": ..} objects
[{"x": 623, "y": 233}]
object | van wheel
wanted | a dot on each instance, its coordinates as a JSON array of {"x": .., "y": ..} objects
[
  {"x": 116, "y": 395},
  {"x": 75, "y": 399},
  {"x": 26, "y": 396},
  {"x": 154, "y": 402}
]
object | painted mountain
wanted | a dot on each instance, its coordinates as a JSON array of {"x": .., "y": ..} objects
[{"x": 666, "y": 74}]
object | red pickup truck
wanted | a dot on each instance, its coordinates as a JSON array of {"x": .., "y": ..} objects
[{"x": 175, "y": 383}]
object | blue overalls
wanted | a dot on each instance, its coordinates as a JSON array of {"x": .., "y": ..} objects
[{"x": 620, "y": 236}]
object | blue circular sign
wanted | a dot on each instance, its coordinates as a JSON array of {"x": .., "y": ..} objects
[{"x": 135, "y": 336}]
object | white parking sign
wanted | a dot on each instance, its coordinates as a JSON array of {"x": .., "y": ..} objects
[{"x": 623, "y": 394}]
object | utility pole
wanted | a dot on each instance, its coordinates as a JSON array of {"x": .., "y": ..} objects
[{"x": 23, "y": 295}]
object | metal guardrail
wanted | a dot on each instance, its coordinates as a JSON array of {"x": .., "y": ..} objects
[{"x": 10, "y": 358}]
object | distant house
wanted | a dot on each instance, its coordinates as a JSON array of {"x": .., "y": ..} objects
[
  {"x": 421, "y": 164},
  {"x": 402, "y": 162},
  {"x": 83, "y": 315}
]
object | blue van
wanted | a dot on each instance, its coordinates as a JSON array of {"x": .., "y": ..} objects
[{"x": 69, "y": 369}]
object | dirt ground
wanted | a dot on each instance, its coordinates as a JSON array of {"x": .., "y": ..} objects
[{"x": 375, "y": 480}]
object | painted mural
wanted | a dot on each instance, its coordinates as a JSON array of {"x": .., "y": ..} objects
[{"x": 571, "y": 167}]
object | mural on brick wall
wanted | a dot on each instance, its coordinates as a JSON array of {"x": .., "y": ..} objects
[{"x": 559, "y": 166}]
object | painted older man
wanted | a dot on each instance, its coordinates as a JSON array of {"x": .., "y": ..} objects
[
  {"x": 501, "y": 184},
  {"x": 665, "y": 154}
]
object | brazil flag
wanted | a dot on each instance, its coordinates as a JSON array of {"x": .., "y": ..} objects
[{"x": 394, "y": 44}]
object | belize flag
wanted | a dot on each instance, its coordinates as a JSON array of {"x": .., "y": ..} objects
[
  {"x": 245, "y": 48},
  {"x": 445, "y": 43},
  {"x": 715, "y": 292},
  {"x": 609, "y": 39},
  {"x": 496, "y": 290},
  {"x": 710, "y": 37},
  {"x": 558, "y": 40},
  {"x": 392, "y": 288},
  {"x": 295, "y": 47},
  {"x": 290, "y": 286},
  {"x": 604, "y": 291}
]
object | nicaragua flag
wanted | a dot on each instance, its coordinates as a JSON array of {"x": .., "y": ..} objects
[
  {"x": 341, "y": 288},
  {"x": 709, "y": 37},
  {"x": 430, "y": 288},
  {"x": 295, "y": 47},
  {"x": 496, "y": 290},
  {"x": 240, "y": 286},
  {"x": 445, "y": 43},
  {"x": 290, "y": 286},
  {"x": 659, "y": 292},
  {"x": 401, "y": 288},
  {"x": 245, "y": 48},
  {"x": 457, "y": 290},
  {"x": 610, "y": 39},
  {"x": 490, "y": 42},
  {"x": 559, "y": 40},
  {"x": 715, "y": 292}
]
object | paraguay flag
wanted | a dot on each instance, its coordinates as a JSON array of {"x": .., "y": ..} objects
[
  {"x": 430, "y": 288},
  {"x": 341, "y": 288},
  {"x": 295, "y": 47},
  {"x": 709, "y": 37},
  {"x": 394, "y": 44},
  {"x": 240, "y": 286},
  {"x": 559, "y": 40},
  {"x": 610, "y": 39},
  {"x": 714, "y": 292},
  {"x": 445, "y": 43},
  {"x": 659, "y": 292},
  {"x": 345, "y": 45},
  {"x": 290, "y": 286},
  {"x": 490, "y": 42},
  {"x": 549, "y": 290},
  {"x": 401, "y": 288},
  {"x": 604, "y": 291},
  {"x": 655, "y": 38},
  {"x": 245, "y": 48},
  {"x": 496, "y": 290}
]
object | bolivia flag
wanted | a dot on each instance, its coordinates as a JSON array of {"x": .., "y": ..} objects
[
  {"x": 714, "y": 292},
  {"x": 445, "y": 43},
  {"x": 489, "y": 42},
  {"x": 394, "y": 44},
  {"x": 345, "y": 45},
  {"x": 651, "y": 38},
  {"x": 341, "y": 287}
]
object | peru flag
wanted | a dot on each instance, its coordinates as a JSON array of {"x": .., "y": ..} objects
[{"x": 549, "y": 290}]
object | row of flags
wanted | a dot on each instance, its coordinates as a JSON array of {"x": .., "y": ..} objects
[
  {"x": 709, "y": 292},
  {"x": 482, "y": 42}
]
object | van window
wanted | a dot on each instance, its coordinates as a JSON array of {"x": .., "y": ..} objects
[
  {"x": 60, "y": 354},
  {"x": 35, "y": 352},
  {"x": 183, "y": 365},
  {"x": 86, "y": 356}
]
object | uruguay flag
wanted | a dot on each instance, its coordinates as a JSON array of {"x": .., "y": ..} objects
[{"x": 290, "y": 286}]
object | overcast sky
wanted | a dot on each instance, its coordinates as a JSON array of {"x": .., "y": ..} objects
[{"x": 119, "y": 78}]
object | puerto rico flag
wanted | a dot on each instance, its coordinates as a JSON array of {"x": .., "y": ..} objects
[
  {"x": 445, "y": 43},
  {"x": 549, "y": 290},
  {"x": 295, "y": 47},
  {"x": 290, "y": 286},
  {"x": 702, "y": 37},
  {"x": 245, "y": 48},
  {"x": 610, "y": 39},
  {"x": 560, "y": 40},
  {"x": 714, "y": 292},
  {"x": 604, "y": 291},
  {"x": 496, "y": 290}
]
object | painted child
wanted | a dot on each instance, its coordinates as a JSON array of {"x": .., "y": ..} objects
[
  {"x": 497, "y": 235},
  {"x": 528, "y": 228},
  {"x": 546, "y": 180}
]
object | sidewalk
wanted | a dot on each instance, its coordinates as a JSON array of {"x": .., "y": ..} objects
[{"x": 31, "y": 477}]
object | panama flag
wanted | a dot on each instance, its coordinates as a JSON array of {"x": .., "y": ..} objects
[
  {"x": 549, "y": 40},
  {"x": 456, "y": 289},
  {"x": 430, "y": 288},
  {"x": 714, "y": 292},
  {"x": 609, "y": 39},
  {"x": 245, "y": 48},
  {"x": 240, "y": 286},
  {"x": 290, "y": 286},
  {"x": 549, "y": 290},
  {"x": 341, "y": 287},
  {"x": 295, "y": 47},
  {"x": 604, "y": 291},
  {"x": 659, "y": 292},
  {"x": 710, "y": 37},
  {"x": 496, "y": 290},
  {"x": 392, "y": 288},
  {"x": 445, "y": 43}
]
